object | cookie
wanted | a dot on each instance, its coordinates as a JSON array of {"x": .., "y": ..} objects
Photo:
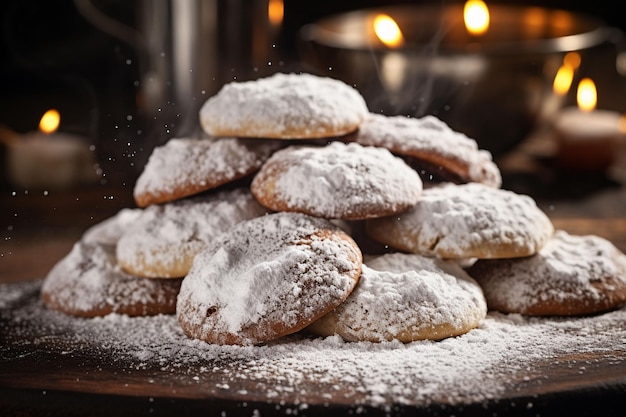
[
  {"x": 571, "y": 275},
  {"x": 164, "y": 241},
  {"x": 88, "y": 283},
  {"x": 430, "y": 145},
  {"x": 284, "y": 106},
  {"x": 407, "y": 297},
  {"x": 339, "y": 181},
  {"x": 469, "y": 220},
  {"x": 267, "y": 277},
  {"x": 185, "y": 166}
]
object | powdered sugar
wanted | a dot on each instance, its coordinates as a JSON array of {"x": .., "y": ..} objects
[
  {"x": 507, "y": 355},
  {"x": 338, "y": 181},
  {"x": 284, "y": 106}
]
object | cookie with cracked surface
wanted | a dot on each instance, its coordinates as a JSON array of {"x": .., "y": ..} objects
[
  {"x": 407, "y": 297},
  {"x": 466, "y": 221},
  {"x": 571, "y": 275},
  {"x": 267, "y": 277}
]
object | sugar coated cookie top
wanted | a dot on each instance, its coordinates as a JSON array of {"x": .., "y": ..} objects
[
  {"x": 431, "y": 140},
  {"x": 88, "y": 282},
  {"x": 284, "y": 106},
  {"x": 408, "y": 297},
  {"x": 186, "y": 166},
  {"x": 570, "y": 275},
  {"x": 337, "y": 181},
  {"x": 267, "y": 277},
  {"x": 467, "y": 221},
  {"x": 110, "y": 230},
  {"x": 164, "y": 240}
]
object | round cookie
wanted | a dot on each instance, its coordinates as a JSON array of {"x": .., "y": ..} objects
[
  {"x": 571, "y": 275},
  {"x": 184, "y": 167},
  {"x": 284, "y": 106},
  {"x": 88, "y": 283},
  {"x": 164, "y": 241},
  {"x": 466, "y": 221},
  {"x": 429, "y": 142},
  {"x": 338, "y": 181},
  {"x": 267, "y": 277},
  {"x": 407, "y": 297}
]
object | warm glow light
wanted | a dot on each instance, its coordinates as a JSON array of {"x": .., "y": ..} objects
[
  {"x": 563, "y": 80},
  {"x": 586, "y": 95},
  {"x": 275, "y": 11},
  {"x": 572, "y": 60},
  {"x": 622, "y": 124},
  {"x": 49, "y": 121},
  {"x": 388, "y": 31},
  {"x": 565, "y": 74},
  {"x": 476, "y": 17}
]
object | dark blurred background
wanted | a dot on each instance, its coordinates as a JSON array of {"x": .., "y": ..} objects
[{"x": 88, "y": 60}]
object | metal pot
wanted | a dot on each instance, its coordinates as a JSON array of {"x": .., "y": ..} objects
[{"x": 491, "y": 87}]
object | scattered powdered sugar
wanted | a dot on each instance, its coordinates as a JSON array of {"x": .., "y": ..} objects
[
  {"x": 280, "y": 269},
  {"x": 284, "y": 106},
  {"x": 342, "y": 181},
  {"x": 429, "y": 137},
  {"x": 506, "y": 354}
]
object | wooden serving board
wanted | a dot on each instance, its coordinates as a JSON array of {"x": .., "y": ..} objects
[{"x": 51, "y": 364}]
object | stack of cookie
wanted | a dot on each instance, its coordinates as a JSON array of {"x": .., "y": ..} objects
[{"x": 299, "y": 209}]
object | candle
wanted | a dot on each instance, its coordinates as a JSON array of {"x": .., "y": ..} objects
[
  {"x": 47, "y": 158},
  {"x": 587, "y": 138}
]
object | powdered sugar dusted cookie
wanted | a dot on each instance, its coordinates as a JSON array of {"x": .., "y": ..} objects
[
  {"x": 467, "y": 221},
  {"x": 284, "y": 106},
  {"x": 407, "y": 297},
  {"x": 88, "y": 283},
  {"x": 431, "y": 142},
  {"x": 337, "y": 181},
  {"x": 164, "y": 241},
  {"x": 185, "y": 166},
  {"x": 571, "y": 275},
  {"x": 267, "y": 277}
]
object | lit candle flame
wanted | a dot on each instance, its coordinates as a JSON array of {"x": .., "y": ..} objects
[
  {"x": 388, "y": 31},
  {"x": 275, "y": 12},
  {"x": 476, "y": 17},
  {"x": 586, "y": 95},
  {"x": 563, "y": 80},
  {"x": 50, "y": 121},
  {"x": 565, "y": 74}
]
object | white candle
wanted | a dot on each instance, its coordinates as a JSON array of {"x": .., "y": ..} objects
[
  {"x": 587, "y": 140},
  {"x": 49, "y": 160},
  {"x": 55, "y": 160}
]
